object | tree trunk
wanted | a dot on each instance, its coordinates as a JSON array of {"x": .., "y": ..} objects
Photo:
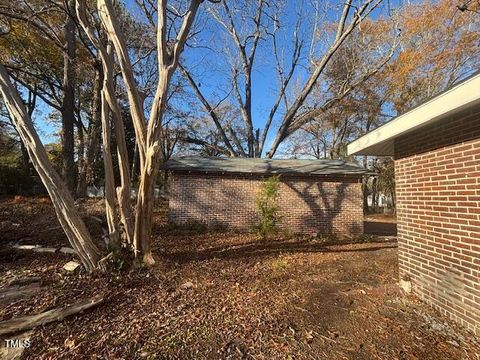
[
  {"x": 110, "y": 101},
  {"x": 374, "y": 195},
  {"x": 365, "y": 186},
  {"x": 111, "y": 214},
  {"x": 133, "y": 174},
  {"x": 68, "y": 103},
  {"x": 25, "y": 160},
  {"x": 124, "y": 191},
  {"x": 31, "y": 321},
  {"x": 81, "y": 142},
  {"x": 63, "y": 203},
  {"x": 145, "y": 202},
  {"x": 146, "y": 188},
  {"x": 148, "y": 141},
  {"x": 394, "y": 202},
  {"x": 85, "y": 175}
]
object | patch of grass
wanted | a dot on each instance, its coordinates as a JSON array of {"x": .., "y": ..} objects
[{"x": 279, "y": 265}]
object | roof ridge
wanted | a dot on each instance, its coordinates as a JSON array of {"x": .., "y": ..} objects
[{"x": 264, "y": 166}]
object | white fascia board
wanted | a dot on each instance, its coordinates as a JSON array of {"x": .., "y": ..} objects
[{"x": 455, "y": 99}]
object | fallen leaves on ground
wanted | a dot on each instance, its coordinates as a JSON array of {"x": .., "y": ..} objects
[{"x": 228, "y": 296}]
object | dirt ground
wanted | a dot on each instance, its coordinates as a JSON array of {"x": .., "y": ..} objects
[
  {"x": 225, "y": 296},
  {"x": 380, "y": 224},
  {"x": 385, "y": 218}
]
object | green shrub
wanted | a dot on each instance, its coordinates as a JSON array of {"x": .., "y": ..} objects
[{"x": 267, "y": 206}]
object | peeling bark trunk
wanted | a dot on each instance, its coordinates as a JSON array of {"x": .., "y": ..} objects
[
  {"x": 146, "y": 189},
  {"x": 108, "y": 96},
  {"x": 148, "y": 140},
  {"x": 63, "y": 203},
  {"x": 112, "y": 220},
  {"x": 124, "y": 191},
  {"x": 110, "y": 22},
  {"x": 145, "y": 202}
]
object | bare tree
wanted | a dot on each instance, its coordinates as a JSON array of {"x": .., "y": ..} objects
[
  {"x": 148, "y": 134},
  {"x": 248, "y": 24}
]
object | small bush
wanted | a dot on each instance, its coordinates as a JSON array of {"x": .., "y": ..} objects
[
  {"x": 266, "y": 203},
  {"x": 120, "y": 258}
]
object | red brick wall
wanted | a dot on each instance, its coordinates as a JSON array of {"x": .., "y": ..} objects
[
  {"x": 438, "y": 210},
  {"x": 307, "y": 204}
]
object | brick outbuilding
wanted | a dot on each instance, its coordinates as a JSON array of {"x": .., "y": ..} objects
[
  {"x": 436, "y": 147},
  {"x": 320, "y": 196}
]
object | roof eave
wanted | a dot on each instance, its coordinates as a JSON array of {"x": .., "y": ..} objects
[
  {"x": 360, "y": 173},
  {"x": 380, "y": 142}
]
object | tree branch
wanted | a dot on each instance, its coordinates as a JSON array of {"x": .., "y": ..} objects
[{"x": 209, "y": 110}]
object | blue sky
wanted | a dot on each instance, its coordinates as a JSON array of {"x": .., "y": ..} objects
[
  {"x": 209, "y": 66},
  {"x": 265, "y": 82}
]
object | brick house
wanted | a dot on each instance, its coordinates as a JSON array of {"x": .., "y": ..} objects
[
  {"x": 322, "y": 196},
  {"x": 436, "y": 147}
]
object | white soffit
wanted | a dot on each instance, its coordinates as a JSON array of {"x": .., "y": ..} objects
[{"x": 381, "y": 140}]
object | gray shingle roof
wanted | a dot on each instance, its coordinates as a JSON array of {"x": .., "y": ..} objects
[{"x": 263, "y": 166}]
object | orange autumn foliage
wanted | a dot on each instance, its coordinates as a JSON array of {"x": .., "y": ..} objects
[{"x": 439, "y": 46}]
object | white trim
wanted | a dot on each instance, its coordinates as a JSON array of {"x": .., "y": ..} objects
[{"x": 455, "y": 99}]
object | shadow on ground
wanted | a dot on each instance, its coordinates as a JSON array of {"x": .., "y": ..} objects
[
  {"x": 380, "y": 228},
  {"x": 276, "y": 247}
]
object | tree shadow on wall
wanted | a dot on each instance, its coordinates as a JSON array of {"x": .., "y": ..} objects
[
  {"x": 323, "y": 207},
  {"x": 209, "y": 204},
  {"x": 324, "y": 204}
]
